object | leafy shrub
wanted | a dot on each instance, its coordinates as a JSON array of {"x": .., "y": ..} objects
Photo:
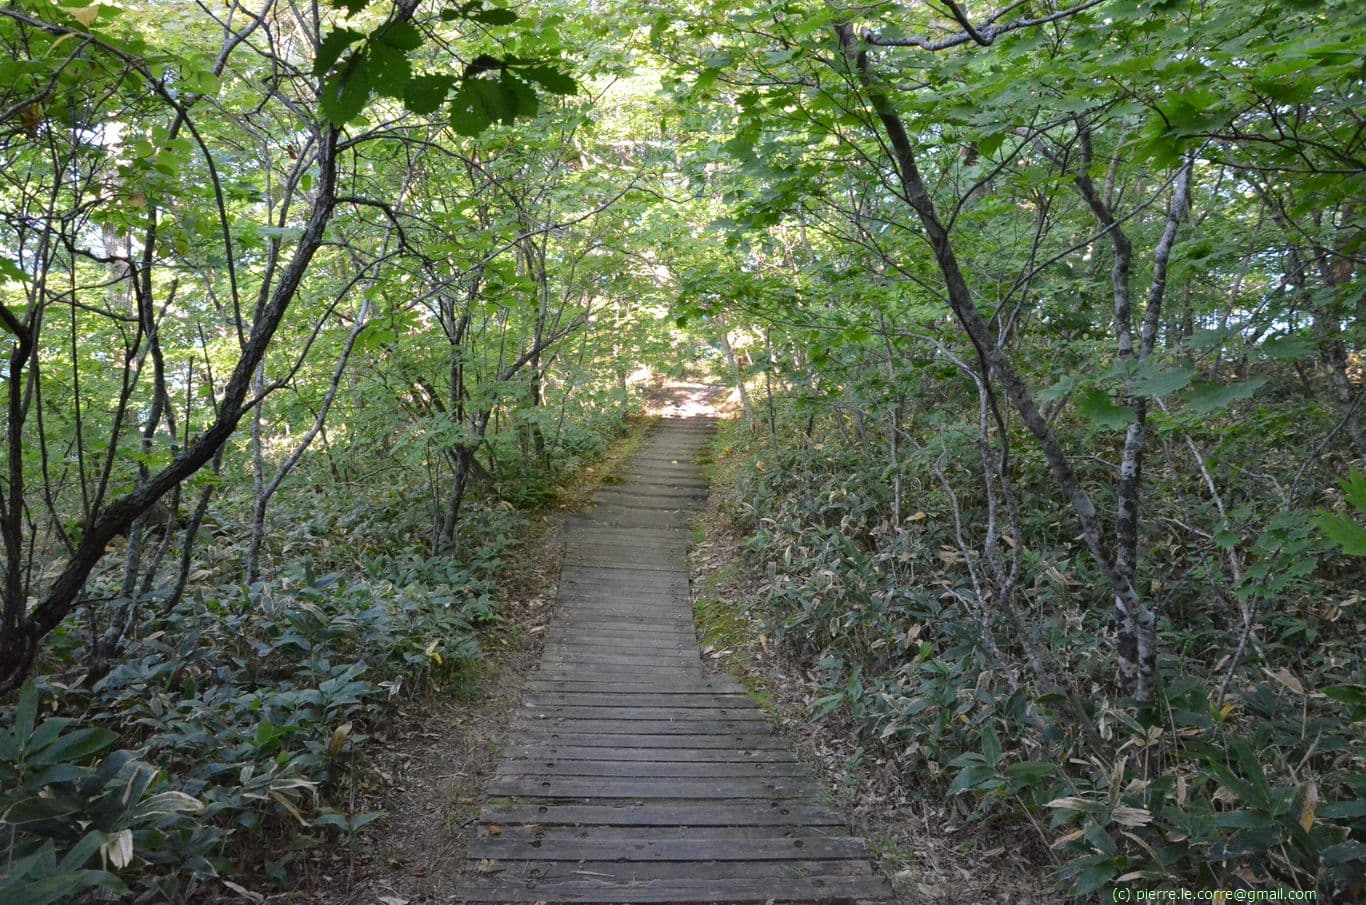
[
  {"x": 1265, "y": 787},
  {"x": 65, "y": 804},
  {"x": 249, "y": 717}
]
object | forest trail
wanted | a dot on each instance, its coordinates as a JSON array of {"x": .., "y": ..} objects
[{"x": 633, "y": 776}]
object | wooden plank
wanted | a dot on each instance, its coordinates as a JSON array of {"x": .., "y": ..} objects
[
  {"x": 652, "y": 741},
  {"x": 541, "y": 683},
  {"x": 662, "y": 767},
  {"x": 641, "y": 640},
  {"x": 707, "y": 756},
  {"x": 611, "y": 612},
  {"x": 634, "y": 641},
  {"x": 650, "y": 559},
  {"x": 689, "y": 502},
  {"x": 613, "y": 543},
  {"x": 649, "y": 641},
  {"x": 642, "y": 892},
  {"x": 569, "y": 624},
  {"x": 531, "y": 832},
  {"x": 557, "y": 715},
  {"x": 597, "y": 658},
  {"x": 736, "y": 812},
  {"x": 610, "y": 561},
  {"x": 628, "y": 543},
  {"x": 627, "y": 872},
  {"x": 595, "y": 616},
  {"x": 605, "y": 580},
  {"x": 597, "y": 574},
  {"x": 616, "y": 610},
  {"x": 728, "y": 727},
  {"x": 627, "y": 674},
  {"x": 636, "y": 613},
  {"x": 676, "y": 652},
  {"x": 636, "y": 699},
  {"x": 622, "y": 584},
  {"x": 595, "y": 620},
  {"x": 625, "y": 612},
  {"x": 618, "y": 847},
  {"x": 643, "y": 788},
  {"x": 682, "y": 691},
  {"x": 672, "y": 636}
]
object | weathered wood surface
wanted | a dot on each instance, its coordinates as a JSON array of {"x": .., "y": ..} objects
[{"x": 632, "y": 776}]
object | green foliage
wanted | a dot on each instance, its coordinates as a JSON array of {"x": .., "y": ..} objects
[
  {"x": 1345, "y": 530},
  {"x": 1264, "y": 783},
  {"x": 251, "y": 716},
  {"x": 535, "y": 210},
  {"x": 70, "y": 811},
  {"x": 354, "y": 65}
]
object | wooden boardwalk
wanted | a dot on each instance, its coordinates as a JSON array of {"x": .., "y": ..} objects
[{"x": 634, "y": 777}]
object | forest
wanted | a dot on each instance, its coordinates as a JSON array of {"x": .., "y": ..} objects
[{"x": 1043, "y": 324}]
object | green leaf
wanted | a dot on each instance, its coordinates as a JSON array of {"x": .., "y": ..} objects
[
  {"x": 332, "y": 47},
  {"x": 166, "y": 803},
  {"x": 479, "y": 103},
  {"x": 991, "y": 746},
  {"x": 1030, "y": 772},
  {"x": 991, "y": 144},
  {"x": 1225, "y": 539},
  {"x": 1344, "y": 532},
  {"x": 1351, "y": 850},
  {"x": 1339, "y": 810},
  {"x": 1058, "y": 390},
  {"x": 527, "y": 102},
  {"x": 425, "y": 93},
  {"x": 75, "y": 746},
  {"x": 1205, "y": 398},
  {"x": 351, "y": 6},
  {"x": 59, "y": 887},
  {"x": 82, "y": 851},
  {"x": 1152, "y": 379},
  {"x": 26, "y": 712},
  {"x": 550, "y": 78},
  {"x": 1354, "y": 487},
  {"x": 494, "y": 16},
  {"x": 1287, "y": 348},
  {"x": 374, "y": 336},
  {"x": 403, "y": 36},
  {"x": 390, "y": 71},
  {"x": 345, "y": 94},
  {"x": 1346, "y": 694},
  {"x": 11, "y": 270},
  {"x": 1095, "y": 406},
  {"x": 37, "y": 809}
]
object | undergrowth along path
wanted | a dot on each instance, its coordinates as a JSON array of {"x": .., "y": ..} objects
[{"x": 632, "y": 776}]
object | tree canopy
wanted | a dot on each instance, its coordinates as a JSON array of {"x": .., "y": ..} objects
[{"x": 1044, "y": 318}]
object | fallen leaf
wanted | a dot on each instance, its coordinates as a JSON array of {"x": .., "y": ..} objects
[
  {"x": 1287, "y": 678},
  {"x": 1307, "y": 808},
  {"x": 244, "y": 892}
]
